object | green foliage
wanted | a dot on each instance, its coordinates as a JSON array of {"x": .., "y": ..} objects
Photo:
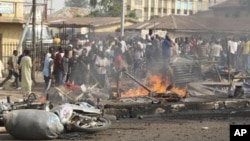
[
  {"x": 77, "y": 3},
  {"x": 77, "y": 16},
  {"x": 110, "y": 8},
  {"x": 154, "y": 17},
  {"x": 132, "y": 14},
  {"x": 93, "y": 3}
]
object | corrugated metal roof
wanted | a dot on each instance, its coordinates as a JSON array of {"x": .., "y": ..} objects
[
  {"x": 179, "y": 22},
  {"x": 230, "y": 3},
  {"x": 86, "y": 21}
]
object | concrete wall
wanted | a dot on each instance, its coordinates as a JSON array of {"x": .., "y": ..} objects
[
  {"x": 10, "y": 33},
  {"x": 18, "y": 9}
]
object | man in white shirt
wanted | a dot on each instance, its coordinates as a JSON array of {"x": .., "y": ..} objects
[
  {"x": 102, "y": 65},
  {"x": 216, "y": 51},
  {"x": 232, "y": 46},
  {"x": 123, "y": 45}
]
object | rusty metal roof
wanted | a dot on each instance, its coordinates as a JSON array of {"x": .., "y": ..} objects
[
  {"x": 70, "y": 12},
  {"x": 179, "y": 22},
  {"x": 86, "y": 21}
]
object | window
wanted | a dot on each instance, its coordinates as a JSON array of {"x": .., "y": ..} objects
[
  {"x": 191, "y": 12},
  {"x": 128, "y": 7},
  {"x": 173, "y": 3},
  {"x": 173, "y": 11},
  {"x": 190, "y": 6},
  {"x": 199, "y": 5},
  {"x": 164, "y": 10},
  {"x": 185, "y": 12},
  {"x": 139, "y": 13},
  {"x": 209, "y": 3},
  {"x": 138, "y": 2},
  {"x": 152, "y": 3},
  {"x": 159, "y": 10},
  {"x": 152, "y": 10},
  {"x": 185, "y": 4},
  {"x": 178, "y": 11},
  {"x": 178, "y": 4},
  {"x": 145, "y": 9}
]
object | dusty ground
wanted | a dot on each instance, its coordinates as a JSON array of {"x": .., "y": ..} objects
[{"x": 157, "y": 129}]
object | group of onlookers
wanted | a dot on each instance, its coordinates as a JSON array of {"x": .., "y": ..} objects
[
  {"x": 232, "y": 50},
  {"x": 102, "y": 61},
  {"x": 87, "y": 64},
  {"x": 20, "y": 68}
]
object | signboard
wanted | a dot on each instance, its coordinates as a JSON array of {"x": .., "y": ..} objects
[{"x": 6, "y": 8}]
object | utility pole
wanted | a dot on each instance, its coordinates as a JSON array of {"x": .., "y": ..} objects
[
  {"x": 122, "y": 18},
  {"x": 34, "y": 40}
]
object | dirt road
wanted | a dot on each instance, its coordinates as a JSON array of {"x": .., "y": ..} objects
[{"x": 158, "y": 129}]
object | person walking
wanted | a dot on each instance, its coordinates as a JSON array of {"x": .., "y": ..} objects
[
  {"x": 48, "y": 70},
  {"x": 83, "y": 62},
  {"x": 65, "y": 66},
  {"x": 73, "y": 68},
  {"x": 13, "y": 70},
  {"x": 26, "y": 81},
  {"x": 102, "y": 64},
  {"x": 118, "y": 64},
  {"x": 216, "y": 51}
]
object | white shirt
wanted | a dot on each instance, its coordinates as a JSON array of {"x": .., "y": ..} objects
[
  {"x": 233, "y": 46},
  {"x": 103, "y": 62},
  {"x": 216, "y": 49},
  {"x": 123, "y": 46}
]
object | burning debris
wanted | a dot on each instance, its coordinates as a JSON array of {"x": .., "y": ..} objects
[{"x": 156, "y": 87}]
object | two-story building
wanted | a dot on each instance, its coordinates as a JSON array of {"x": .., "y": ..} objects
[
  {"x": 11, "y": 26},
  {"x": 147, "y": 9}
]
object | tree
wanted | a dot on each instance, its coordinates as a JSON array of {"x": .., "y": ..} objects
[
  {"x": 77, "y": 3},
  {"x": 93, "y": 3},
  {"x": 111, "y": 8},
  {"x": 132, "y": 14},
  {"x": 154, "y": 17}
]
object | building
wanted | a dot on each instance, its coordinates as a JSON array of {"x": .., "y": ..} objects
[
  {"x": 11, "y": 26},
  {"x": 146, "y": 9},
  {"x": 226, "y": 19},
  {"x": 93, "y": 26},
  {"x": 231, "y": 9}
]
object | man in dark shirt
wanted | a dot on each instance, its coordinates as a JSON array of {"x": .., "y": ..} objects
[{"x": 19, "y": 61}]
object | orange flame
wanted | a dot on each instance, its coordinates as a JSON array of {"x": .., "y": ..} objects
[{"x": 156, "y": 84}]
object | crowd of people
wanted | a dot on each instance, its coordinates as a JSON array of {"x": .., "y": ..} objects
[
  {"x": 20, "y": 68},
  {"x": 102, "y": 61},
  {"x": 99, "y": 58}
]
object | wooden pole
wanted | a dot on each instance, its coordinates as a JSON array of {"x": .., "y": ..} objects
[{"x": 34, "y": 41}]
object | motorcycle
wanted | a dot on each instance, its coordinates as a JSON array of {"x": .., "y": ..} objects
[{"x": 81, "y": 117}]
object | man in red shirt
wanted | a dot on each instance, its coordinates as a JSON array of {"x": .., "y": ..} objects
[
  {"x": 58, "y": 68},
  {"x": 118, "y": 64}
]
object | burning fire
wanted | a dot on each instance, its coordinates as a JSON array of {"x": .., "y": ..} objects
[{"x": 156, "y": 84}]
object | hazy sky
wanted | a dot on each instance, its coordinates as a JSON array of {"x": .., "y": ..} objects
[{"x": 56, "y": 4}]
